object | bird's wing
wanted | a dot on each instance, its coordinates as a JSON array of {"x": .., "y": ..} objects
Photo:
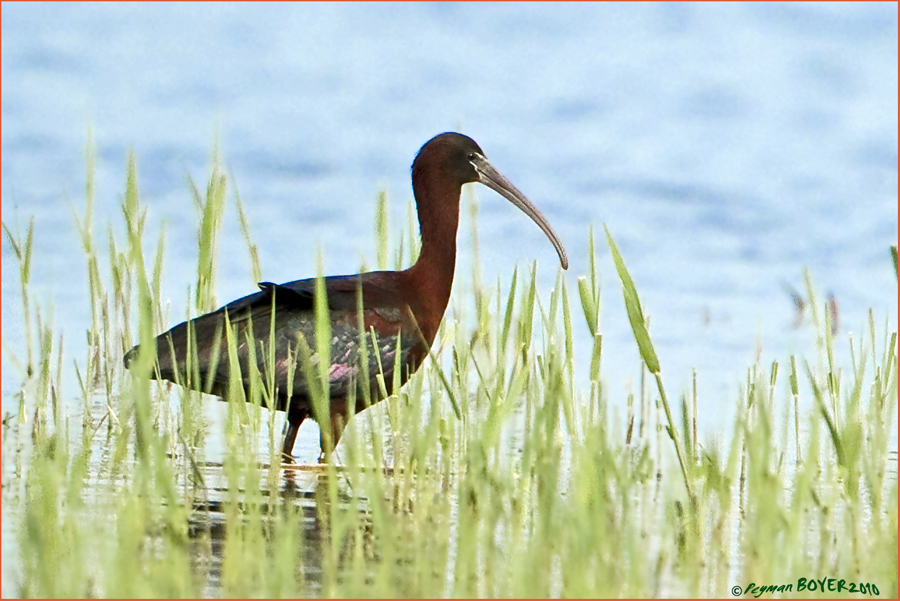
[
  {"x": 294, "y": 306},
  {"x": 296, "y": 296},
  {"x": 342, "y": 290}
]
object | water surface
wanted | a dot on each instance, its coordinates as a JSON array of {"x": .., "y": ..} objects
[{"x": 726, "y": 147}]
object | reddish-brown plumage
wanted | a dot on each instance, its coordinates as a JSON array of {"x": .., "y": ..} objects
[{"x": 410, "y": 303}]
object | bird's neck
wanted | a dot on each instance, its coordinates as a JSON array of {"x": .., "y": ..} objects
[{"x": 433, "y": 271}]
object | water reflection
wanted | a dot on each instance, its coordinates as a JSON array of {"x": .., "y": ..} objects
[{"x": 300, "y": 492}]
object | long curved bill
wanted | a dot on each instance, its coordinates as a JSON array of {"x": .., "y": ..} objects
[{"x": 491, "y": 178}]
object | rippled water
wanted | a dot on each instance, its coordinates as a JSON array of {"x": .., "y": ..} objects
[{"x": 726, "y": 147}]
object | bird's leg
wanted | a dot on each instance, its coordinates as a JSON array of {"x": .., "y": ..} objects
[
  {"x": 337, "y": 428},
  {"x": 290, "y": 435},
  {"x": 291, "y": 426}
]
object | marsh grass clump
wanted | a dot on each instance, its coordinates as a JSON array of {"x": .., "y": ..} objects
[{"x": 533, "y": 490}]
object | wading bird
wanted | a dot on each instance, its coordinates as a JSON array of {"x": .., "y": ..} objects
[{"x": 407, "y": 305}]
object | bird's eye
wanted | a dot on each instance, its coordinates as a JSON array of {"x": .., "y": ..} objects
[{"x": 471, "y": 156}]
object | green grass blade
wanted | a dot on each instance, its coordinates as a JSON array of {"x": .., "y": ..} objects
[
  {"x": 633, "y": 307},
  {"x": 894, "y": 257}
]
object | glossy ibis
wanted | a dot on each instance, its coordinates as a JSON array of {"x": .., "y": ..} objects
[{"x": 408, "y": 303}]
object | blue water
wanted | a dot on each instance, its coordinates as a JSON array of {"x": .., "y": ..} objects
[{"x": 725, "y": 146}]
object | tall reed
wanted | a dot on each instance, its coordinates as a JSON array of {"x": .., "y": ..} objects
[{"x": 495, "y": 471}]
